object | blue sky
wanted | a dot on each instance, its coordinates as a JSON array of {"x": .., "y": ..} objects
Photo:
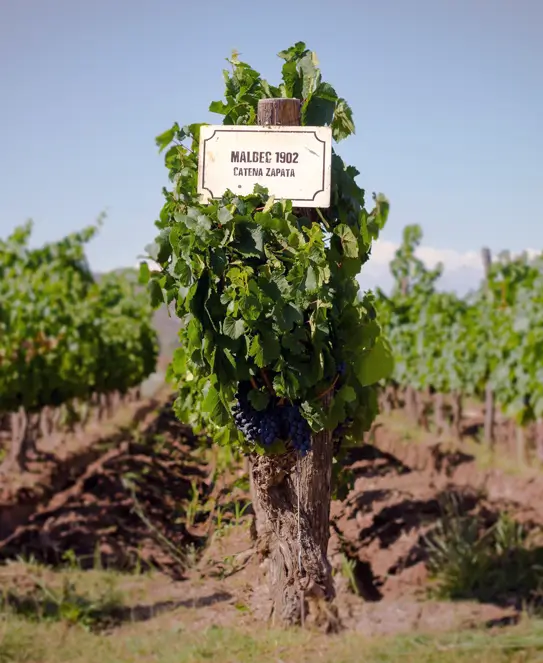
[{"x": 447, "y": 97}]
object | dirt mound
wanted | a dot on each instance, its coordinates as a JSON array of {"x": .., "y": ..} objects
[
  {"x": 63, "y": 458},
  {"x": 400, "y": 493},
  {"x": 126, "y": 508}
]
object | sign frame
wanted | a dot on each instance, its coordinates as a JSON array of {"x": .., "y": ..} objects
[{"x": 315, "y": 188}]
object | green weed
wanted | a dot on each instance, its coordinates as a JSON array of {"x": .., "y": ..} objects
[
  {"x": 490, "y": 563},
  {"x": 65, "y": 604}
]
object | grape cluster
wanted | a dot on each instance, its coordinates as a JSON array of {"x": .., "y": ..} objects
[
  {"x": 257, "y": 426},
  {"x": 247, "y": 419},
  {"x": 270, "y": 429},
  {"x": 275, "y": 422},
  {"x": 296, "y": 428}
]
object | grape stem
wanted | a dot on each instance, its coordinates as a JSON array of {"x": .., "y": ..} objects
[
  {"x": 267, "y": 381},
  {"x": 330, "y": 388}
]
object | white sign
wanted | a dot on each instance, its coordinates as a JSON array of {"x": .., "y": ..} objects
[{"x": 293, "y": 163}]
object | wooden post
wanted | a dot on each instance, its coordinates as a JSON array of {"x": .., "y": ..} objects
[
  {"x": 279, "y": 112},
  {"x": 490, "y": 413},
  {"x": 291, "y": 496}
]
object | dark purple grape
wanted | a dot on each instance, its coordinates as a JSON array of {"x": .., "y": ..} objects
[{"x": 274, "y": 423}]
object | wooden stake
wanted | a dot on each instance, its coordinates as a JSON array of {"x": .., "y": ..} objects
[
  {"x": 486, "y": 256},
  {"x": 283, "y": 113},
  {"x": 490, "y": 409},
  {"x": 279, "y": 112}
]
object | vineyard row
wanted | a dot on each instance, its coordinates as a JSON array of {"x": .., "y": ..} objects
[
  {"x": 486, "y": 346},
  {"x": 69, "y": 343}
]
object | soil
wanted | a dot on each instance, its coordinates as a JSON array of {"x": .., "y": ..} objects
[{"x": 147, "y": 497}]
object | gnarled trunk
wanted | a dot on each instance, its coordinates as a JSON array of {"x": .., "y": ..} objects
[
  {"x": 520, "y": 443},
  {"x": 411, "y": 404},
  {"x": 387, "y": 399},
  {"x": 24, "y": 430},
  {"x": 291, "y": 497},
  {"x": 424, "y": 401},
  {"x": 440, "y": 417},
  {"x": 490, "y": 416},
  {"x": 539, "y": 439},
  {"x": 457, "y": 412}
]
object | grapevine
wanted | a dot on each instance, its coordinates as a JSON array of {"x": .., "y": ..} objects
[
  {"x": 276, "y": 336},
  {"x": 446, "y": 344},
  {"x": 67, "y": 338}
]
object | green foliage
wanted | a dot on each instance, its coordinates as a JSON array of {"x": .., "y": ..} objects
[
  {"x": 64, "y": 336},
  {"x": 449, "y": 343},
  {"x": 27, "y": 642},
  {"x": 65, "y": 604},
  {"x": 265, "y": 293},
  {"x": 471, "y": 560}
]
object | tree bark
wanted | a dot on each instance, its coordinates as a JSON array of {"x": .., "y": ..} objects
[
  {"x": 279, "y": 112},
  {"x": 394, "y": 389},
  {"x": 423, "y": 404},
  {"x": 440, "y": 418},
  {"x": 101, "y": 407},
  {"x": 457, "y": 414},
  {"x": 57, "y": 418},
  {"x": 22, "y": 440},
  {"x": 292, "y": 508},
  {"x": 490, "y": 412},
  {"x": 259, "y": 525},
  {"x": 520, "y": 443},
  {"x": 45, "y": 423},
  {"x": 411, "y": 404},
  {"x": 539, "y": 439},
  {"x": 111, "y": 404},
  {"x": 385, "y": 403},
  {"x": 490, "y": 416}
]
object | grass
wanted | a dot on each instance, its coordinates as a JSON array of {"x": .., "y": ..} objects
[
  {"x": 36, "y": 594},
  {"x": 22, "y": 641},
  {"x": 75, "y": 616},
  {"x": 70, "y": 620}
]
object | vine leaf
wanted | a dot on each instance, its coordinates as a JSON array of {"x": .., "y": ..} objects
[
  {"x": 213, "y": 405},
  {"x": 375, "y": 365},
  {"x": 233, "y": 328},
  {"x": 167, "y": 137},
  {"x": 348, "y": 240},
  {"x": 156, "y": 293},
  {"x": 250, "y": 242},
  {"x": 288, "y": 315},
  {"x": 265, "y": 349},
  {"x": 259, "y": 399}
]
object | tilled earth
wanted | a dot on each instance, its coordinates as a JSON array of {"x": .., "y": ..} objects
[
  {"x": 401, "y": 493},
  {"x": 143, "y": 501},
  {"x": 123, "y": 509}
]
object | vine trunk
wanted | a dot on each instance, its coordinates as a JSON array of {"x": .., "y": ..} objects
[{"x": 291, "y": 497}]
